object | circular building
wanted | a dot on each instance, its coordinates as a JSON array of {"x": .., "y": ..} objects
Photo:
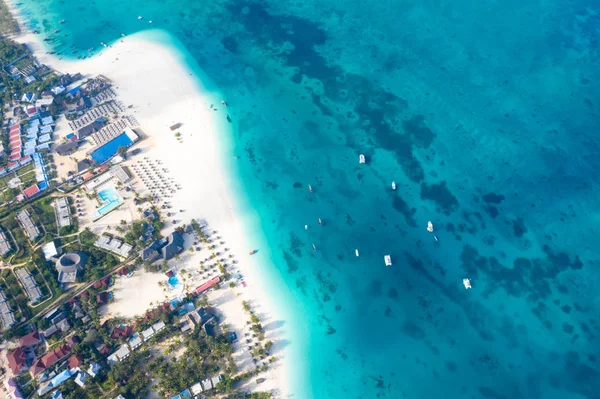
[{"x": 69, "y": 265}]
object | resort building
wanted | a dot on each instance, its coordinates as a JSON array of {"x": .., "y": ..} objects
[
  {"x": 94, "y": 369},
  {"x": 120, "y": 173},
  {"x": 67, "y": 148},
  {"x": 4, "y": 244},
  {"x": 27, "y": 281},
  {"x": 113, "y": 244},
  {"x": 6, "y": 315},
  {"x": 206, "y": 286},
  {"x": 120, "y": 354},
  {"x": 69, "y": 265},
  {"x": 63, "y": 212},
  {"x": 49, "y": 251},
  {"x": 27, "y": 224},
  {"x": 165, "y": 248},
  {"x": 50, "y": 359},
  {"x": 31, "y": 339},
  {"x": 17, "y": 361}
]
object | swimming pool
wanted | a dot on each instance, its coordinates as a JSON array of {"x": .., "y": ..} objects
[
  {"x": 107, "y": 150},
  {"x": 110, "y": 200},
  {"x": 173, "y": 281}
]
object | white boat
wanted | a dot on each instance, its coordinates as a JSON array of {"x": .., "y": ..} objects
[
  {"x": 393, "y": 185},
  {"x": 356, "y": 252},
  {"x": 388, "y": 260},
  {"x": 150, "y": 21},
  {"x": 430, "y": 227},
  {"x": 315, "y": 248},
  {"x": 305, "y": 227},
  {"x": 467, "y": 283},
  {"x": 320, "y": 221},
  {"x": 140, "y": 17},
  {"x": 435, "y": 238},
  {"x": 310, "y": 188},
  {"x": 361, "y": 158}
]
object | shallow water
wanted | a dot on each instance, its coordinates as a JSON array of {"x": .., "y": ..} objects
[{"x": 484, "y": 113}]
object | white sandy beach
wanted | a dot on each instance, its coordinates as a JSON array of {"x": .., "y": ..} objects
[{"x": 163, "y": 91}]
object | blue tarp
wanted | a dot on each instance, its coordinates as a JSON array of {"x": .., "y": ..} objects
[
  {"x": 62, "y": 377},
  {"x": 74, "y": 91}
]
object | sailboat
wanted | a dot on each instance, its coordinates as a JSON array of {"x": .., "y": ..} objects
[
  {"x": 430, "y": 227},
  {"x": 320, "y": 221},
  {"x": 467, "y": 283},
  {"x": 361, "y": 158},
  {"x": 388, "y": 260},
  {"x": 393, "y": 185},
  {"x": 310, "y": 188},
  {"x": 356, "y": 252}
]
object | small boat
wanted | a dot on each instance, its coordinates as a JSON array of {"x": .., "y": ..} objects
[
  {"x": 253, "y": 251},
  {"x": 393, "y": 185},
  {"x": 467, "y": 283},
  {"x": 315, "y": 248},
  {"x": 62, "y": 21},
  {"x": 430, "y": 227},
  {"x": 356, "y": 252},
  {"x": 140, "y": 17},
  {"x": 305, "y": 227},
  {"x": 56, "y": 30},
  {"x": 320, "y": 221},
  {"x": 435, "y": 238},
  {"x": 150, "y": 21},
  {"x": 310, "y": 188},
  {"x": 361, "y": 158},
  {"x": 122, "y": 34},
  {"x": 388, "y": 260},
  {"x": 223, "y": 103}
]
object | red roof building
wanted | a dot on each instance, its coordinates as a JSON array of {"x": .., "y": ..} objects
[
  {"x": 75, "y": 361},
  {"x": 105, "y": 282},
  {"x": 16, "y": 360},
  {"x": 72, "y": 341},
  {"x": 37, "y": 368},
  {"x": 104, "y": 349},
  {"x": 31, "y": 191},
  {"x": 119, "y": 332},
  {"x": 50, "y": 359},
  {"x": 30, "y": 339},
  {"x": 206, "y": 285}
]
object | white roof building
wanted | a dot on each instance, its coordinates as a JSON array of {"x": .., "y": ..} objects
[
  {"x": 196, "y": 388},
  {"x": 135, "y": 341},
  {"x": 46, "y": 129},
  {"x": 57, "y": 90},
  {"x": 49, "y": 250},
  {"x": 147, "y": 333},
  {"x": 44, "y": 138},
  {"x": 47, "y": 120}
]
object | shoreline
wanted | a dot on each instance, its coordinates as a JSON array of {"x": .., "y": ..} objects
[{"x": 183, "y": 94}]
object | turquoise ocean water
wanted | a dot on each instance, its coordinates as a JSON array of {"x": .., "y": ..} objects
[{"x": 484, "y": 113}]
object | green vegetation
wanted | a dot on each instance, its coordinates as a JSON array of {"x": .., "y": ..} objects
[{"x": 8, "y": 24}]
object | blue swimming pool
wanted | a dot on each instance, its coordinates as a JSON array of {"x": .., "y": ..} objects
[
  {"x": 110, "y": 200},
  {"x": 173, "y": 281},
  {"x": 105, "y": 151}
]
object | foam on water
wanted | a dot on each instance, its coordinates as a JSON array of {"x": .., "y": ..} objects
[{"x": 485, "y": 114}]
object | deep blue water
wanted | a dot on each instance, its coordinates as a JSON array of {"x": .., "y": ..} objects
[{"x": 485, "y": 113}]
